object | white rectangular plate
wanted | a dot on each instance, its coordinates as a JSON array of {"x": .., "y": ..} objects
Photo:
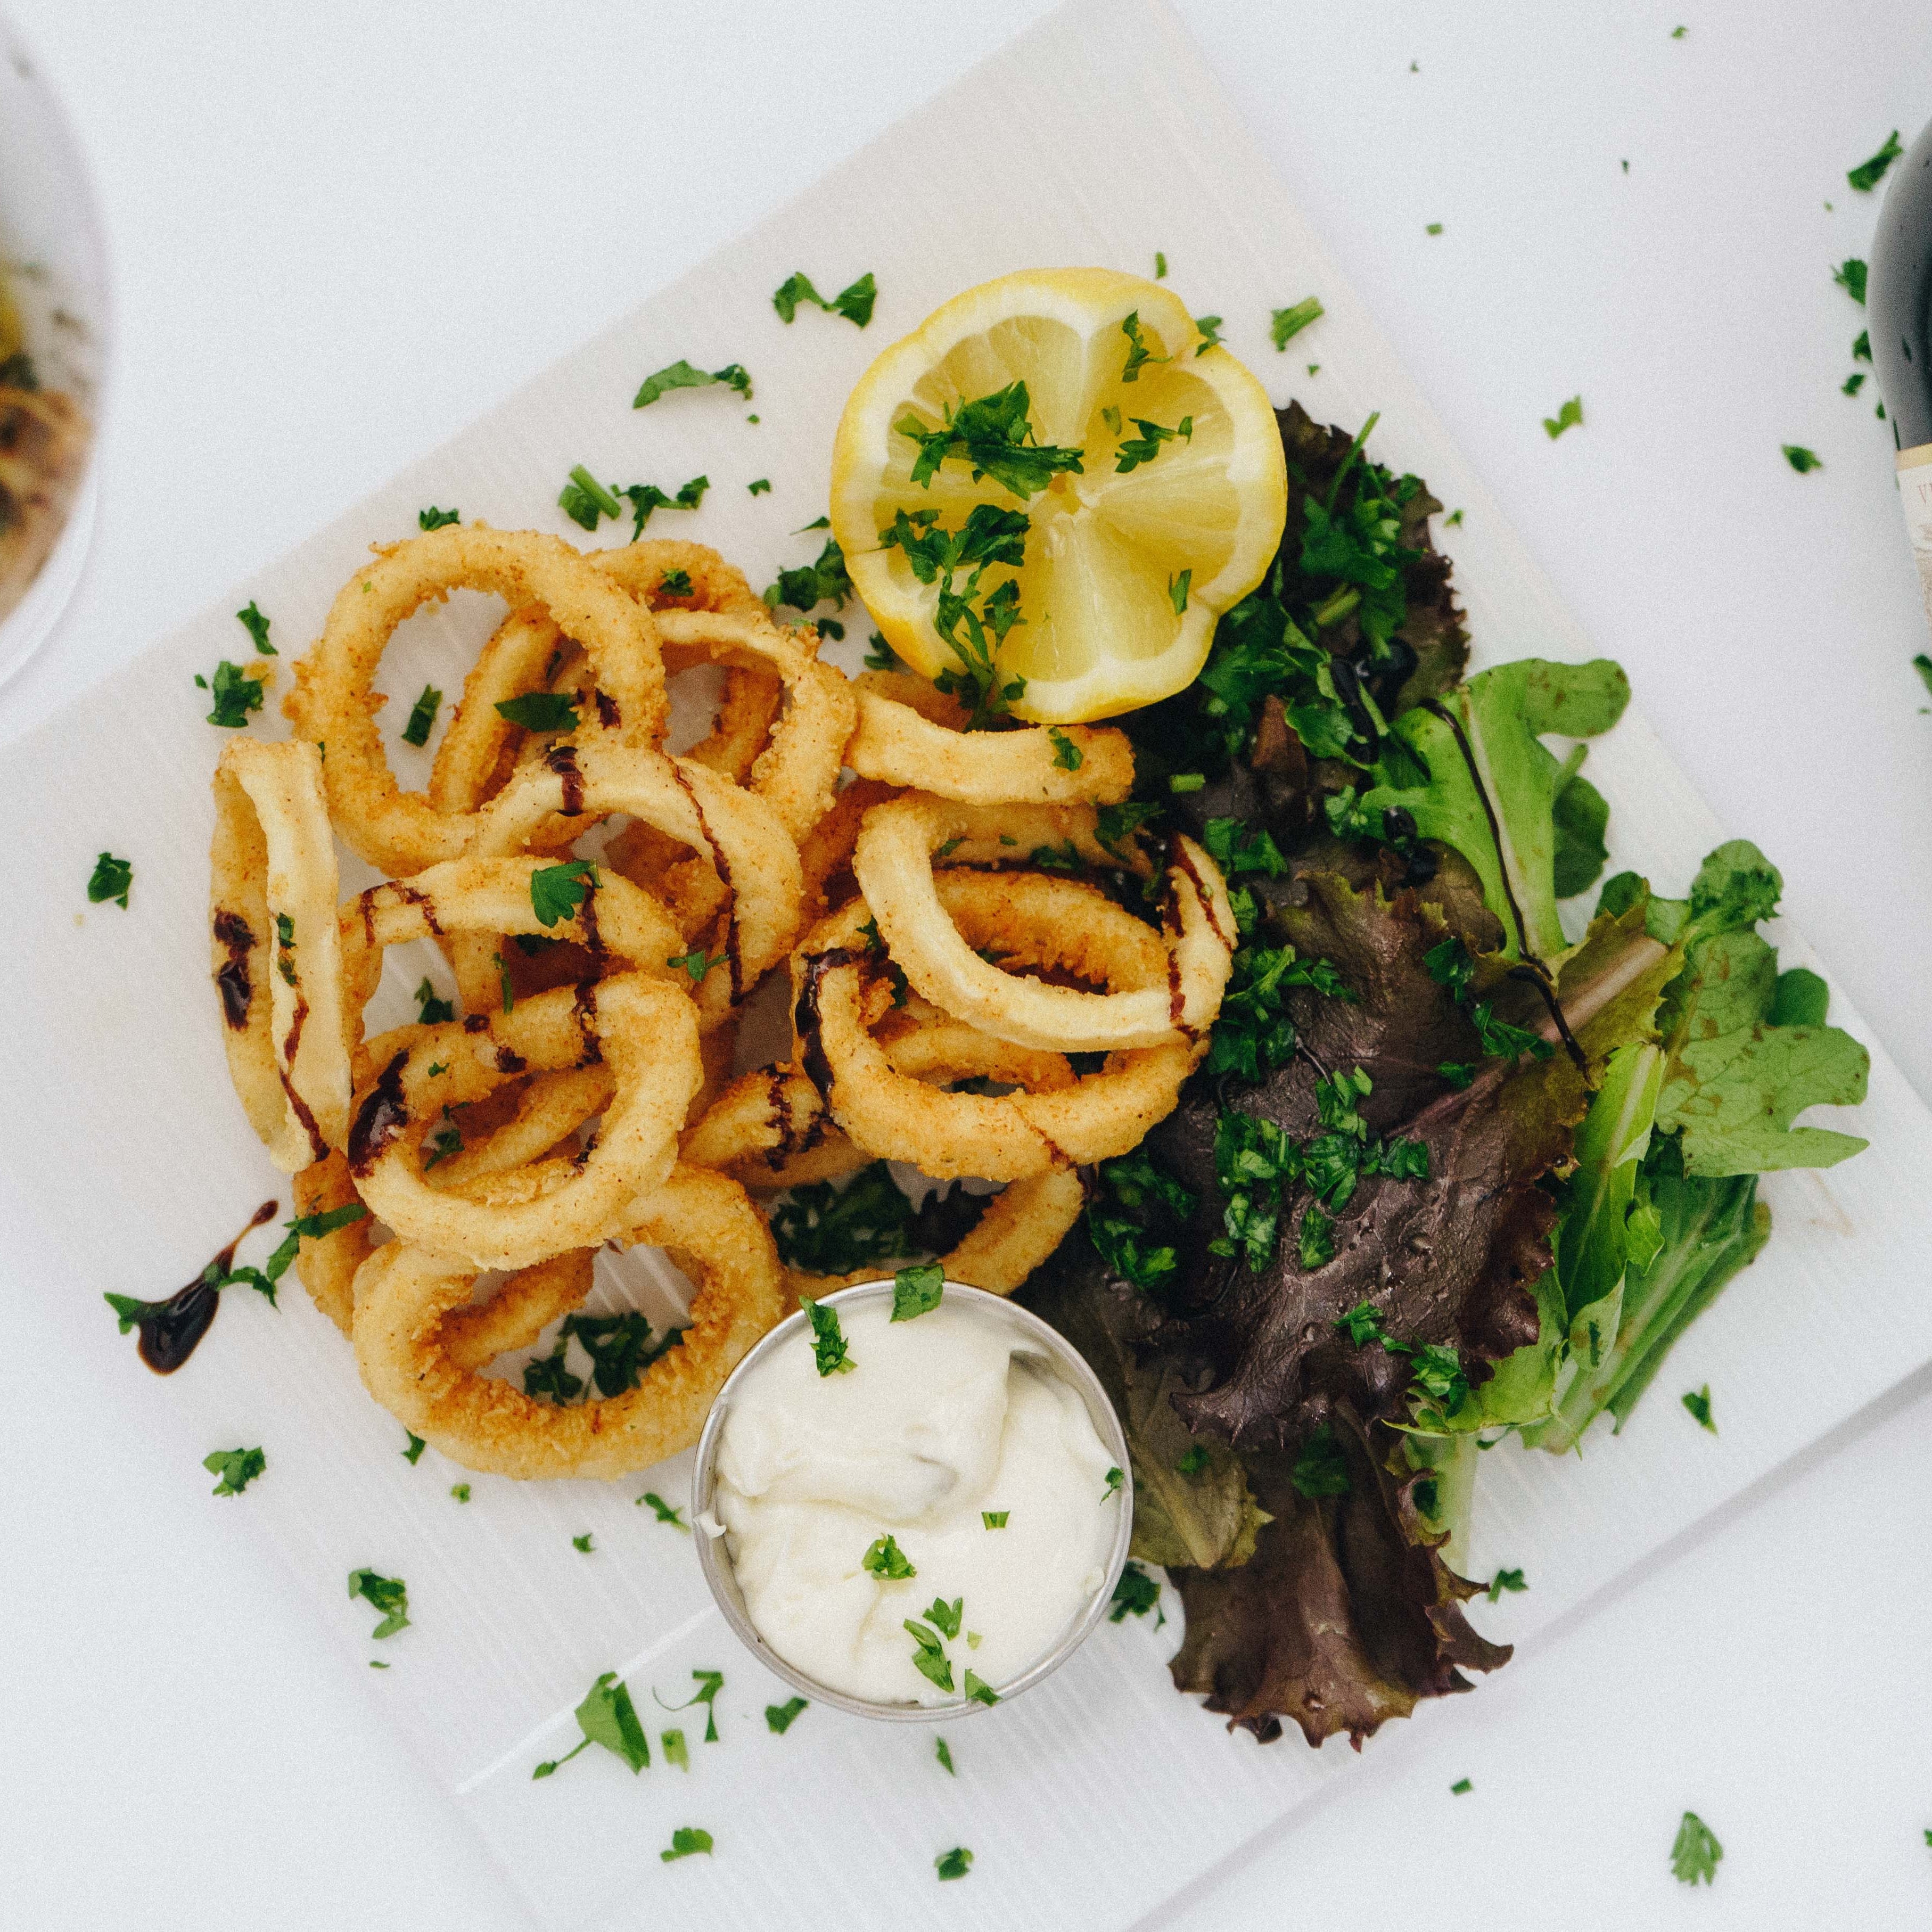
[{"x": 125, "y": 1161}]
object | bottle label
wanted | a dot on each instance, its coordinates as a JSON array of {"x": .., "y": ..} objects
[{"x": 1915, "y": 492}]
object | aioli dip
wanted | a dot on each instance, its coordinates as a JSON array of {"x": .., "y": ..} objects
[{"x": 942, "y": 1420}]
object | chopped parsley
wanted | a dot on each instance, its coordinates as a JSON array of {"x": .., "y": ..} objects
[
  {"x": 413, "y": 1453},
  {"x": 990, "y": 536},
  {"x": 582, "y": 1543},
  {"x": 461, "y": 1491},
  {"x": 675, "y": 1750},
  {"x": 1853, "y": 383},
  {"x": 1678, "y": 33},
  {"x": 422, "y": 717},
  {"x": 1115, "y": 1477},
  {"x": 1322, "y": 1469},
  {"x": 710, "y": 1683},
  {"x": 1867, "y": 175},
  {"x": 1461, "y": 1788},
  {"x": 955, "y": 1863},
  {"x": 978, "y": 1691},
  {"x": 664, "y": 1511},
  {"x": 110, "y": 879},
  {"x": 434, "y": 519},
  {"x": 824, "y": 580},
  {"x": 760, "y": 486},
  {"x": 680, "y": 375},
  {"x": 1433, "y": 228},
  {"x": 1067, "y": 756},
  {"x": 584, "y": 499},
  {"x": 1922, "y": 664},
  {"x": 1160, "y": 266},
  {"x": 1570, "y": 416},
  {"x": 540, "y": 711},
  {"x": 1145, "y": 447},
  {"x": 1210, "y": 326},
  {"x": 1141, "y": 1251},
  {"x": 696, "y": 962},
  {"x": 643, "y": 498},
  {"x": 993, "y": 436},
  {"x": 432, "y": 1011},
  {"x": 1849, "y": 275},
  {"x": 237, "y": 1468},
  {"x": 886, "y": 1559},
  {"x": 778, "y": 1717},
  {"x": 607, "y": 1716},
  {"x": 854, "y": 302},
  {"x": 928, "y": 1656},
  {"x": 1178, "y": 588},
  {"x": 1138, "y": 354},
  {"x": 824, "y": 1229},
  {"x": 945, "y": 1757},
  {"x": 236, "y": 693},
  {"x": 557, "y": 891},
  {"x": 1862, "y": 347},
  {"x": 1698, "y": 1402},
  {"x": 1504, "y": 1579},
  {"x": 446, "y": 1141},
  {"x": 917, "y": 1291},
  {"x": 879, "y": 655},
  {"x": 1193, "y": 1459},
  {"x": 1696, "y": 1852},
  {"x": 252, "y": 621},
  {"x": 1135, "y": 1595},
  {"x": 1287, "y": 323},
  {"x": 675, "y": 584},
  {"x": 828, "y": 1339},
  {"x": 389, "y": 1594},
  {"x": 685, "y": 1841},
  {"x": 947, "y": 1615},
  {"x": 1801, "y": 459},
  {"x": 995, "y": 1519}
]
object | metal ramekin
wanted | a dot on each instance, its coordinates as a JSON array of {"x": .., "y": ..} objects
[{"x": 1038, "y": 1340}]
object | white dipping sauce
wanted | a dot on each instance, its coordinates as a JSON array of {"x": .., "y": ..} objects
[{"x": 941, "y": 1417}]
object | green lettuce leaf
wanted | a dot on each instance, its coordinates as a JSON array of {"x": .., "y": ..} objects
[{"x": 1501, "y": 716}]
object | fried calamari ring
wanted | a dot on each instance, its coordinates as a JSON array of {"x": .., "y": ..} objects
[
  {"x": 797, "y": 773},
  {"x": 893, "y": 865},
  {"x": 737, "y": 834},
  {"x": 825, "y": 852},
  {"x": 1052, "y": 765},
  {"x": 894, "y": 1117},
  {"x": 521, "y": 1309},
  {"x": 527, "y": 651},
  {"x": 479, "y": 899},
  {"x": 326, "y": 1264},
  {"x": 404, "y": 1297},
  {"x": 276, "y": 957},
  {"x": 551, "y": 1107},
  {"x": 334, "y": 701},
  {"x": 769, "y": 1130},
  {"x": 646, "y": 1033},
  {"x": 1021, "y": 1227}
]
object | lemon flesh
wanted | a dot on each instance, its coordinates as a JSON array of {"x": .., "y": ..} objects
[{"x": 1126, "y": 572}]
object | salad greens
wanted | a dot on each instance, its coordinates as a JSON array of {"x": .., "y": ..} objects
[{"x": 1461, "y": 1161}]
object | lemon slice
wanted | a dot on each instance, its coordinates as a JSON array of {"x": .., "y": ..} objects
[{"x": 1147, "y": 468}]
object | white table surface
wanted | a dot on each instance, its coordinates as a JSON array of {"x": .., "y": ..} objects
[{"x": 339, "y": 232}]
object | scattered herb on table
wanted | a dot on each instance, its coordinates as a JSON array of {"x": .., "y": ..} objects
[
  {"x": 434, "y": 519},
  {"x": 422, "y": 717},
  {"x": 943, "y": 1752},
  {"x": 1504, "y": 1579},
  {"x": 680, "y": 375},
  {"x": 110, "y": 879},
  {"x": 710, "y": 1683},
  {"x": 582, "y": 1543},
  {"x": 1696, "y": 1852},
  {"x": 1570, "y": 416},
  {"x": 252, "y": 621},
  {"x": 995, "y": 1519},
  {"x": 778, "y": 1717},
  {"x": 1849, "y": 275},
  {"x": 461, "y": 1491},
  {"x": 236, "y": 693},
  {"x": 1867, "y": 175},
  {"x": 675, "y": 1750},
  {"x": 686, "y": 1840},
  {"x": 608, "y": 1717},
  {"x": 1698, "y": 1402},
  {"x": 854, "y": 301},
  {"x": 1461, "y": 1787},
  {"x": 1287, "y": 323},
  {"x": 954, "y": 1864},
  {"x": 664, "y": 1511},
  {"x": 1135, "y": 1594},
  {"x": 1800, "y": 458},
  {"x": 389, "y": 1594},
  {"x": 237, "y": 1468},
  {"x": 413, "y": 1453}
]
